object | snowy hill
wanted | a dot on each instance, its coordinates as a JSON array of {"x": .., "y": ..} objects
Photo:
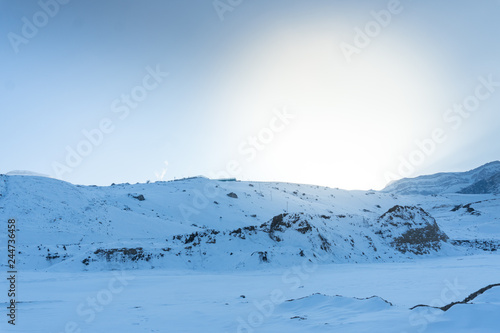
[
  {"x": 488, "y": 185},
  {"x": 25, "y": 173},
  {"x": 199, "y": 223},
  {"x": 484, "y": 179},
  {"x": 250, "y": 257}
]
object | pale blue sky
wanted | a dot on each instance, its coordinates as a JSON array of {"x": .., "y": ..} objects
[{"x": 352, "y": 121}]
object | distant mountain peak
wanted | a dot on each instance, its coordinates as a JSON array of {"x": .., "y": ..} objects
[
  {"x": 449, "y": 182},
  {"x": 484, "y": 186}
]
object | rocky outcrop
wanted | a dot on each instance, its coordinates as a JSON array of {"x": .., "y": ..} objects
[{"x": 410, "y": 229}]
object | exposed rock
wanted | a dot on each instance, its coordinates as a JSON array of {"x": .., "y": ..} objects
[
  {"x": 411, "y": 229},
  {"x": 468, "y": 209},
  {"x": 262, "y": 256},
  {"x": 485, "y": 245},
  {"x": 465, "y": 301},
  {"x": 282, "y": 222},
  {"x": 139, "y": 197},
  {"x": 123, "y": 254}
]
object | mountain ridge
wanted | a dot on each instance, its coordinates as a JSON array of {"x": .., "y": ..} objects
[
  {"x": 199, "y": 223},
  {"x": 443, "y": 182}
]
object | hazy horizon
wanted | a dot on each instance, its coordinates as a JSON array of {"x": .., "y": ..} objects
[{"x": 344, "y": 95}]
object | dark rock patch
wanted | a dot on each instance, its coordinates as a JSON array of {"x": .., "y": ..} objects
[
  {"x": 410, "y": 229},
  {"x": 464, "y": 301},
  {"x": 139, "y": 197}
]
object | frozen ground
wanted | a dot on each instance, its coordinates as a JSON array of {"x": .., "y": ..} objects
[
  {"x": 200, "y": 255},
  {"x": 190, "y": 301}
]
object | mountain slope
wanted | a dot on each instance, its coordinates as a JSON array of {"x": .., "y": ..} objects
[
  {"x": 440, "y": 183},
  {"x": 199, "y": 223},
  {"x": 488, "y": 185}
]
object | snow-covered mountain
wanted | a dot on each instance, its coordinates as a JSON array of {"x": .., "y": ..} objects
[
  {"x": 484, "y": 179},
  {"x": 231, "y": 256},
  {"x": 199, "y": 223},
  {"x": 26, "y": 173},
  {"x": 487, "y": 185}
]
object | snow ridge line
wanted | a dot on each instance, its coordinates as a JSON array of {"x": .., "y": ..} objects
[
  {"x": 357, "y": 298},
  {"x": 465, "y": 301}
]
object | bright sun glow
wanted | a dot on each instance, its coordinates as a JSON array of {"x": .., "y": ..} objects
[{"x": 353, "y": 119}]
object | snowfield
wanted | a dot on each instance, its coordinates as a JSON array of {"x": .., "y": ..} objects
[
  {"x": 370, "y": 297},
  {"x": 201, "y": 255}
]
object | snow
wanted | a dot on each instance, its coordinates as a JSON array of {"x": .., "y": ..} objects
[
  {"x": 330, "y": 296},
  {"x": 449, "y": 182},
  {"x": 26, "y": 173},
  {"x": 184, "y": 256}
]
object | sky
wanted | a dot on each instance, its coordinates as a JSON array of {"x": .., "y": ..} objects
[{"x": 347, "y": 94}]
